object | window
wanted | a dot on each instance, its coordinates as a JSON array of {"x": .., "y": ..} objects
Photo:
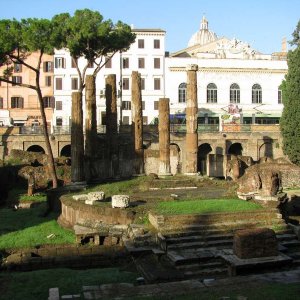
[
  {"x": 1, "y": 103},
  {"x": 156, "y": 84},
  {"x": 16, "y": 80},
  {"x": 182, "y": 92},
  {"x": 74, "y": 83},
  {"x": 58, "y": 105},
  {"x": 234, "y": 93},
  {"x": 48, "y": 81},
  {"x": 48, "y": 101},
  {"x": 141, "y": 44},
  {"x": 17, "y": 68},
  {"x": 142, "y": 84},
  {"x": 48, "y": 66},
  {"x": 155, "y": 105},
  {"x": 145, "y": 120},
  {"x": 125, "y": 83},
  {"x": 59, "y": 121},
  {"x": 156, "y": 63},
  {"x": 279, "y": 96},
  {"x": 58, "y": 84},
  {"x": 143, "y": 105},
  {"x": 141, "y": 62},
  {"x": 108, "y": 63},
  {"x": 74, "y": 61},
  {"x": 256, "y": 93},
  {"x": 17, "y": 102},
  {"x": 156, "y": 44},
  {"x": 60, "y": 63},
  {"x": 126, "y": 105},
  {"x": 212, "y": 93},
  {"x": 90, "y": 64},
  {"x": 125, "y": 62},
  {"x": 125, "y": 120}
]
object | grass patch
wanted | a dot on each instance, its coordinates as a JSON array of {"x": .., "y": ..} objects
[
  {"x": 205, "y": 206},
  {"x": 35, "y": 285},
  {"x": 28, "y": 228}
]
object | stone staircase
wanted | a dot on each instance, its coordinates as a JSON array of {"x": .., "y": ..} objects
[{"x": 194, "y": 249}]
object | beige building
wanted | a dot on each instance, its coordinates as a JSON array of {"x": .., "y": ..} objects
[{"x": 19, "y": 106}]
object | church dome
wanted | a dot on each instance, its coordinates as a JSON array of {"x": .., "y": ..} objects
[{"x": 203, "y": 36}]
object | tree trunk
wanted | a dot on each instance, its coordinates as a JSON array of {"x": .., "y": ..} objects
[
  {"x": 77, "y": 140},
  {"x": 46, "y": 136}
]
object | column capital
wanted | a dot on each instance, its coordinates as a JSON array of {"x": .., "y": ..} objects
[{"x": 192, "y": 67}]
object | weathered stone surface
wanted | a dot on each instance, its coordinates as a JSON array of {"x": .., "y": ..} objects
[
  {"x": 270, "y": 182},
  {"x": 96, "y": 196},
  {"x": 121, "y": 201},
  {"x": 254, "y": 243},
  {"x": 164, "y": 137},
  {"x": 191, "y": 121},
  {"x": 81, "y": 197}
]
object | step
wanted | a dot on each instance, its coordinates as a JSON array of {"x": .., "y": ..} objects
[
  {"x": 192, "y": 245},
  {"x": 226, "y": 226},
  {"x": 195, "y": 238},
  {"x": 291, "y": 243},
  {"x": 189, "y": 257},
  {"x": 199, "y": 266},
  {"x": 216, "y": 272},
  {"x": 286, "y": 237}
]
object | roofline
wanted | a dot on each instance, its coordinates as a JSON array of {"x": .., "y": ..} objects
[{"x": 147, "y": 30}]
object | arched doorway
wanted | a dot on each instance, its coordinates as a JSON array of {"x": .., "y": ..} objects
[
  {"x": 36, "y": 148},
  {"x": 203, "y": 151},
  {"x": 175, "y": 159},
  {"x": 235, "y": 149},
  {"x": 66, "y": 151},
  {"x": 266, "y": 150}
]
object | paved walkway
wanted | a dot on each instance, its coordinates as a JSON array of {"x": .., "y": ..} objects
[{"x": 127, "y": 290}]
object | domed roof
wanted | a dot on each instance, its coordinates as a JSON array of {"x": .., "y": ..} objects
[{"x": 203, "y": 36}]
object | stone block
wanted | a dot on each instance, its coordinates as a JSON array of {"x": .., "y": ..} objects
[
  {"x": 120, "y": 201},
  {"x": 96, "y": 196},
  {"x": 255, "y": 243},
  {"x": 53, "y": 294},
  {"x": 81, "y": 197}
]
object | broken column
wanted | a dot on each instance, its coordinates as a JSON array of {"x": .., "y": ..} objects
[
  {"x": 164, "y": 137},
  {"x": 112, "y": 123},
  {"x": 77, "y": 141},
  {"x": 137, "y": 123},
  {"x": 191, "y": 121},
  {"x": 90, "y": 124}
]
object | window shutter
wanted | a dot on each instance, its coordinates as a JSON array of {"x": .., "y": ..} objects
[
  {"x": 44, "y": 66},
  {"x": 52, "y": 102}
]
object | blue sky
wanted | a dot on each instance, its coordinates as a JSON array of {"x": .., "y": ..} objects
[{"x": 261, "y": 23}]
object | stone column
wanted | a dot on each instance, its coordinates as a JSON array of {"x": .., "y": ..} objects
[
  {"x": 112, "y": 123},
  {"x": 191, "y": 146},
  {"x": 137, "y": 123},
  {"x": 164, "y": 137},
  {"x": 90, "y": 124},
  {"x": 77, "y": 141}
]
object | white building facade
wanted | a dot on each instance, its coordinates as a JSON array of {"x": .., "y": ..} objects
[{"x": 233, "y": 79}]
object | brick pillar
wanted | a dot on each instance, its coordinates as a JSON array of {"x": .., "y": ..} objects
[
  {"x": 77, "y": 141},
  {"x": 164, "y": 137},
  {"x": 137, "y": 123},
  {"x": 112, "y": 124},
  {"x": 90, "y": 125},
  {"x": 191, "y": 146}
]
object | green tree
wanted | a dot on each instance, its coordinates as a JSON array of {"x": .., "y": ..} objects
[
  {"x": 290, "y": 120},
  {"x": 18, "y": 39},
  {"x": 88, "y": 35}
]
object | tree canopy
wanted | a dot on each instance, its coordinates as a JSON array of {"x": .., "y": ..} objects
[{"x": 290, "y": 120}]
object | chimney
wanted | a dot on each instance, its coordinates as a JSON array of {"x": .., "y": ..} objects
[{"x": 284, "y": 45}]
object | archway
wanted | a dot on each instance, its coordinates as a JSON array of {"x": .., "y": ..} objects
[
  {"x": 203, "y": 151},
  {"x": 36, "y": 148},
  {"x": 175, "y": 161},
  {"x": 266, "y": 150},
  {"x": 66, "y": 151},
  {"x": 235, "y": 149}
]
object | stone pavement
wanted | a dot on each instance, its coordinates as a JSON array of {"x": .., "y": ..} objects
[{"x": 127, "y": 290}]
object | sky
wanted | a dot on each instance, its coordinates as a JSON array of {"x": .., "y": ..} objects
[{"x": 261, "y": 23}]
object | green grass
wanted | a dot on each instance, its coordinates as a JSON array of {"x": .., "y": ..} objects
[
  {"x": 28, "y": 228},
  {"x": 205, "y": 206},
  {"x": 35, "y": 285},
  {"x": 19, "y": 194}
]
